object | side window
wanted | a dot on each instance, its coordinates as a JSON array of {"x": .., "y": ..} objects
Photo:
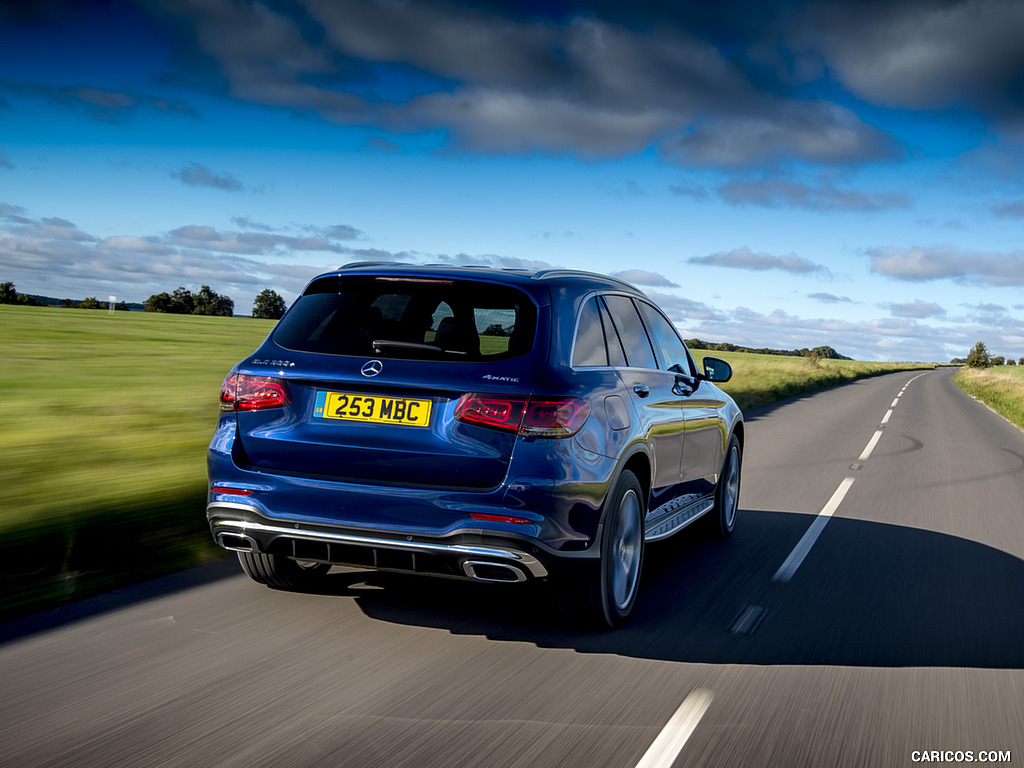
[
  {"x": 631, "y": 331},
  {"x": 615, "y": 354},
  {"x": 589, "y": 350},
  {"x": 670, "y": 348}
]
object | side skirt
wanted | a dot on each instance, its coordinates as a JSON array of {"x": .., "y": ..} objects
[{"x": 676, "y": 515}]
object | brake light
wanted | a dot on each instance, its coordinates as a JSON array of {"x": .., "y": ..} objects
[
  {"x": 554, "y": 417},
  {"x": 240, "y": 392}
]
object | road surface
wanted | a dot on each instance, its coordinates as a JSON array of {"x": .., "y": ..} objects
[{"x": 868, "y": 611}]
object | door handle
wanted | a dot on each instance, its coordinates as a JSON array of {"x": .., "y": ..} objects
[
  {"x": 641, "y": 390},
  {"x": 684, "y": 386}
]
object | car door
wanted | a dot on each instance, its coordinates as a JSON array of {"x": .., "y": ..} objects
[
  {"x": 653, "y": 392},
  {"x": 701, "y": 407}
]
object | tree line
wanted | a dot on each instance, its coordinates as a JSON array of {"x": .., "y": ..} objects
[
  {"x": 824, "y": 353},
  {"x": 979, "y": 357},
  {"x": 10, "y": 295},
  {"x": 268, "y": 304}
]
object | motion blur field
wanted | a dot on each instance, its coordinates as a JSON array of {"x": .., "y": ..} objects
[{"x": 106, "y": 413}]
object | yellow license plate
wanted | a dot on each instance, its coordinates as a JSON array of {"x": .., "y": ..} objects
[{"x": 347, "y": 406}]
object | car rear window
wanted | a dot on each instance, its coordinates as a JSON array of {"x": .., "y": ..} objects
[{"x": 412, "y": 318}]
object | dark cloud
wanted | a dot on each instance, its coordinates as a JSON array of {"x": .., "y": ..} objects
[
  {"x": 198, "y": 175},
  {"x": 920, "y": 54},
  {"x": 593, "y": 80},
  {"x": 948, "y": 263},
  {"x": 744, "y": 258},
  {"x": 781, "y": 131}
]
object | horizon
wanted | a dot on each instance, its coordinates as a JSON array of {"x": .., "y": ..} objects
[{"x": 795, "y": 176}]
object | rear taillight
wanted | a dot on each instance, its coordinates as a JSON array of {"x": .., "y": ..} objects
[
  {"x": 240, "y": 392},
  {"x": 527, "y": 416}
]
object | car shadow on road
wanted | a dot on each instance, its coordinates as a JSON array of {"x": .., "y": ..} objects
[{"x": 868, "y": 594}]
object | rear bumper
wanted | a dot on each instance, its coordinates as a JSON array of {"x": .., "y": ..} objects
[{"x": 461, "y": 554}]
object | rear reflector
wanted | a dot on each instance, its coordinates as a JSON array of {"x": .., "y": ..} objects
[
  {"x": 232, "y": 490},
  {"x": 531, "y": 417},
  {"x": 240, "y": 392},
  {"x": 499, "y": 518}
]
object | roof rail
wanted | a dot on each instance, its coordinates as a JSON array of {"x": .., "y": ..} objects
[
  {"x": 547, "y": 274},
  {"x": 356, "y": 264}
]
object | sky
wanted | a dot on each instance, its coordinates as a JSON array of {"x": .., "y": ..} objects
[{"x": 846, "y": 173}]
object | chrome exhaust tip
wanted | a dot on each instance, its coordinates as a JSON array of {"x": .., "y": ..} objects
[
  {"x": 492, "y": 572},
  {"x": 237, "y": 542}
]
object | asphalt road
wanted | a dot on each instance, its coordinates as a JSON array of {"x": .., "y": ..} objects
[{"x": 898, "y": 629}]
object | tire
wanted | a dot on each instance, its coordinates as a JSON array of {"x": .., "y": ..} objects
[
  {"x": 603, "y": 595},
  {"x": 282, "y": 572},
  {"x": 722, "y": 519}
]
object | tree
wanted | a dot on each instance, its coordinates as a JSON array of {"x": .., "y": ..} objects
[
  {"x": 209, "y": 302},
  {"x": 182, "y": 301},
  {"x": 269, "y": 305},
  {"x": 7, "y": 294},
  {"x": 979, "y": 357},
  {"x": 158, "y": 302},
  {"x": 91, "y": 302},
  {"x": 1010, "y": 361},
  {"x": 998, "y": 360}
]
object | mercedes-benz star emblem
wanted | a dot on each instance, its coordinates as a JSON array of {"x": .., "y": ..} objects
[{"x": 372, "y": 368}]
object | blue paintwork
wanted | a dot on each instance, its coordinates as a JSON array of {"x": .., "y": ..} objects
[{"x": 425, "y": 482}]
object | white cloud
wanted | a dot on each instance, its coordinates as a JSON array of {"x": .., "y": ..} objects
[
  {"x": 745, "y": 258},
  {"x": 948, "y": 262}
]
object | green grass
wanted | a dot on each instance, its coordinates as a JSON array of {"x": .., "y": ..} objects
[
  {"x": 1000, "y": 388},
  {"x": 106, "y": 422},
  {"x": 102, "y": 456},
  {"x": 762, "y": 379}
]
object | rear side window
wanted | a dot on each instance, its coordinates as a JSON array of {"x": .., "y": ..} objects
[
  {"x": 597, "y": 344},
  {"x": 410, "y": 318},
  {"x": 631, "y": 332}
]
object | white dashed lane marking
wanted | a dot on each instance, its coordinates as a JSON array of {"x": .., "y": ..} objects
[{"x": 670, "y": 742}]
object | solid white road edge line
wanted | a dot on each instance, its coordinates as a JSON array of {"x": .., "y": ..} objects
[
  {"x": 796, "y": 557},
  {"x": 670, "y": 742}
]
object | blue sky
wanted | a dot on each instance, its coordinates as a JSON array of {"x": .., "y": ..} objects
[{"x": 846, "y": 173}]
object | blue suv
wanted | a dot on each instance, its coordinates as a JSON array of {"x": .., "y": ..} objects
[{"x": 476, "y": 423}]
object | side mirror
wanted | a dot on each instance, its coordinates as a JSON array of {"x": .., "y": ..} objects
[{"x": 717, "y": 370}]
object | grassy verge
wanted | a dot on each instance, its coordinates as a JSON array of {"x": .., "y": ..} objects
[
  {"x": 1000, "y": 388},
  {"x": 762, "y": 379},
  {"x": 106, "y": 422}
]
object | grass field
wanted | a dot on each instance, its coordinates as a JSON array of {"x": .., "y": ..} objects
[
  {"x": 102, "y": 456},
  {"x": 106, "y": 422},
  {"x": 1000, "y": 388},
  {"x": 762, "y": 379}
]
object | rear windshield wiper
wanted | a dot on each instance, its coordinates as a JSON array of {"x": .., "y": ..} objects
[{"x": 379, "y": 345}]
